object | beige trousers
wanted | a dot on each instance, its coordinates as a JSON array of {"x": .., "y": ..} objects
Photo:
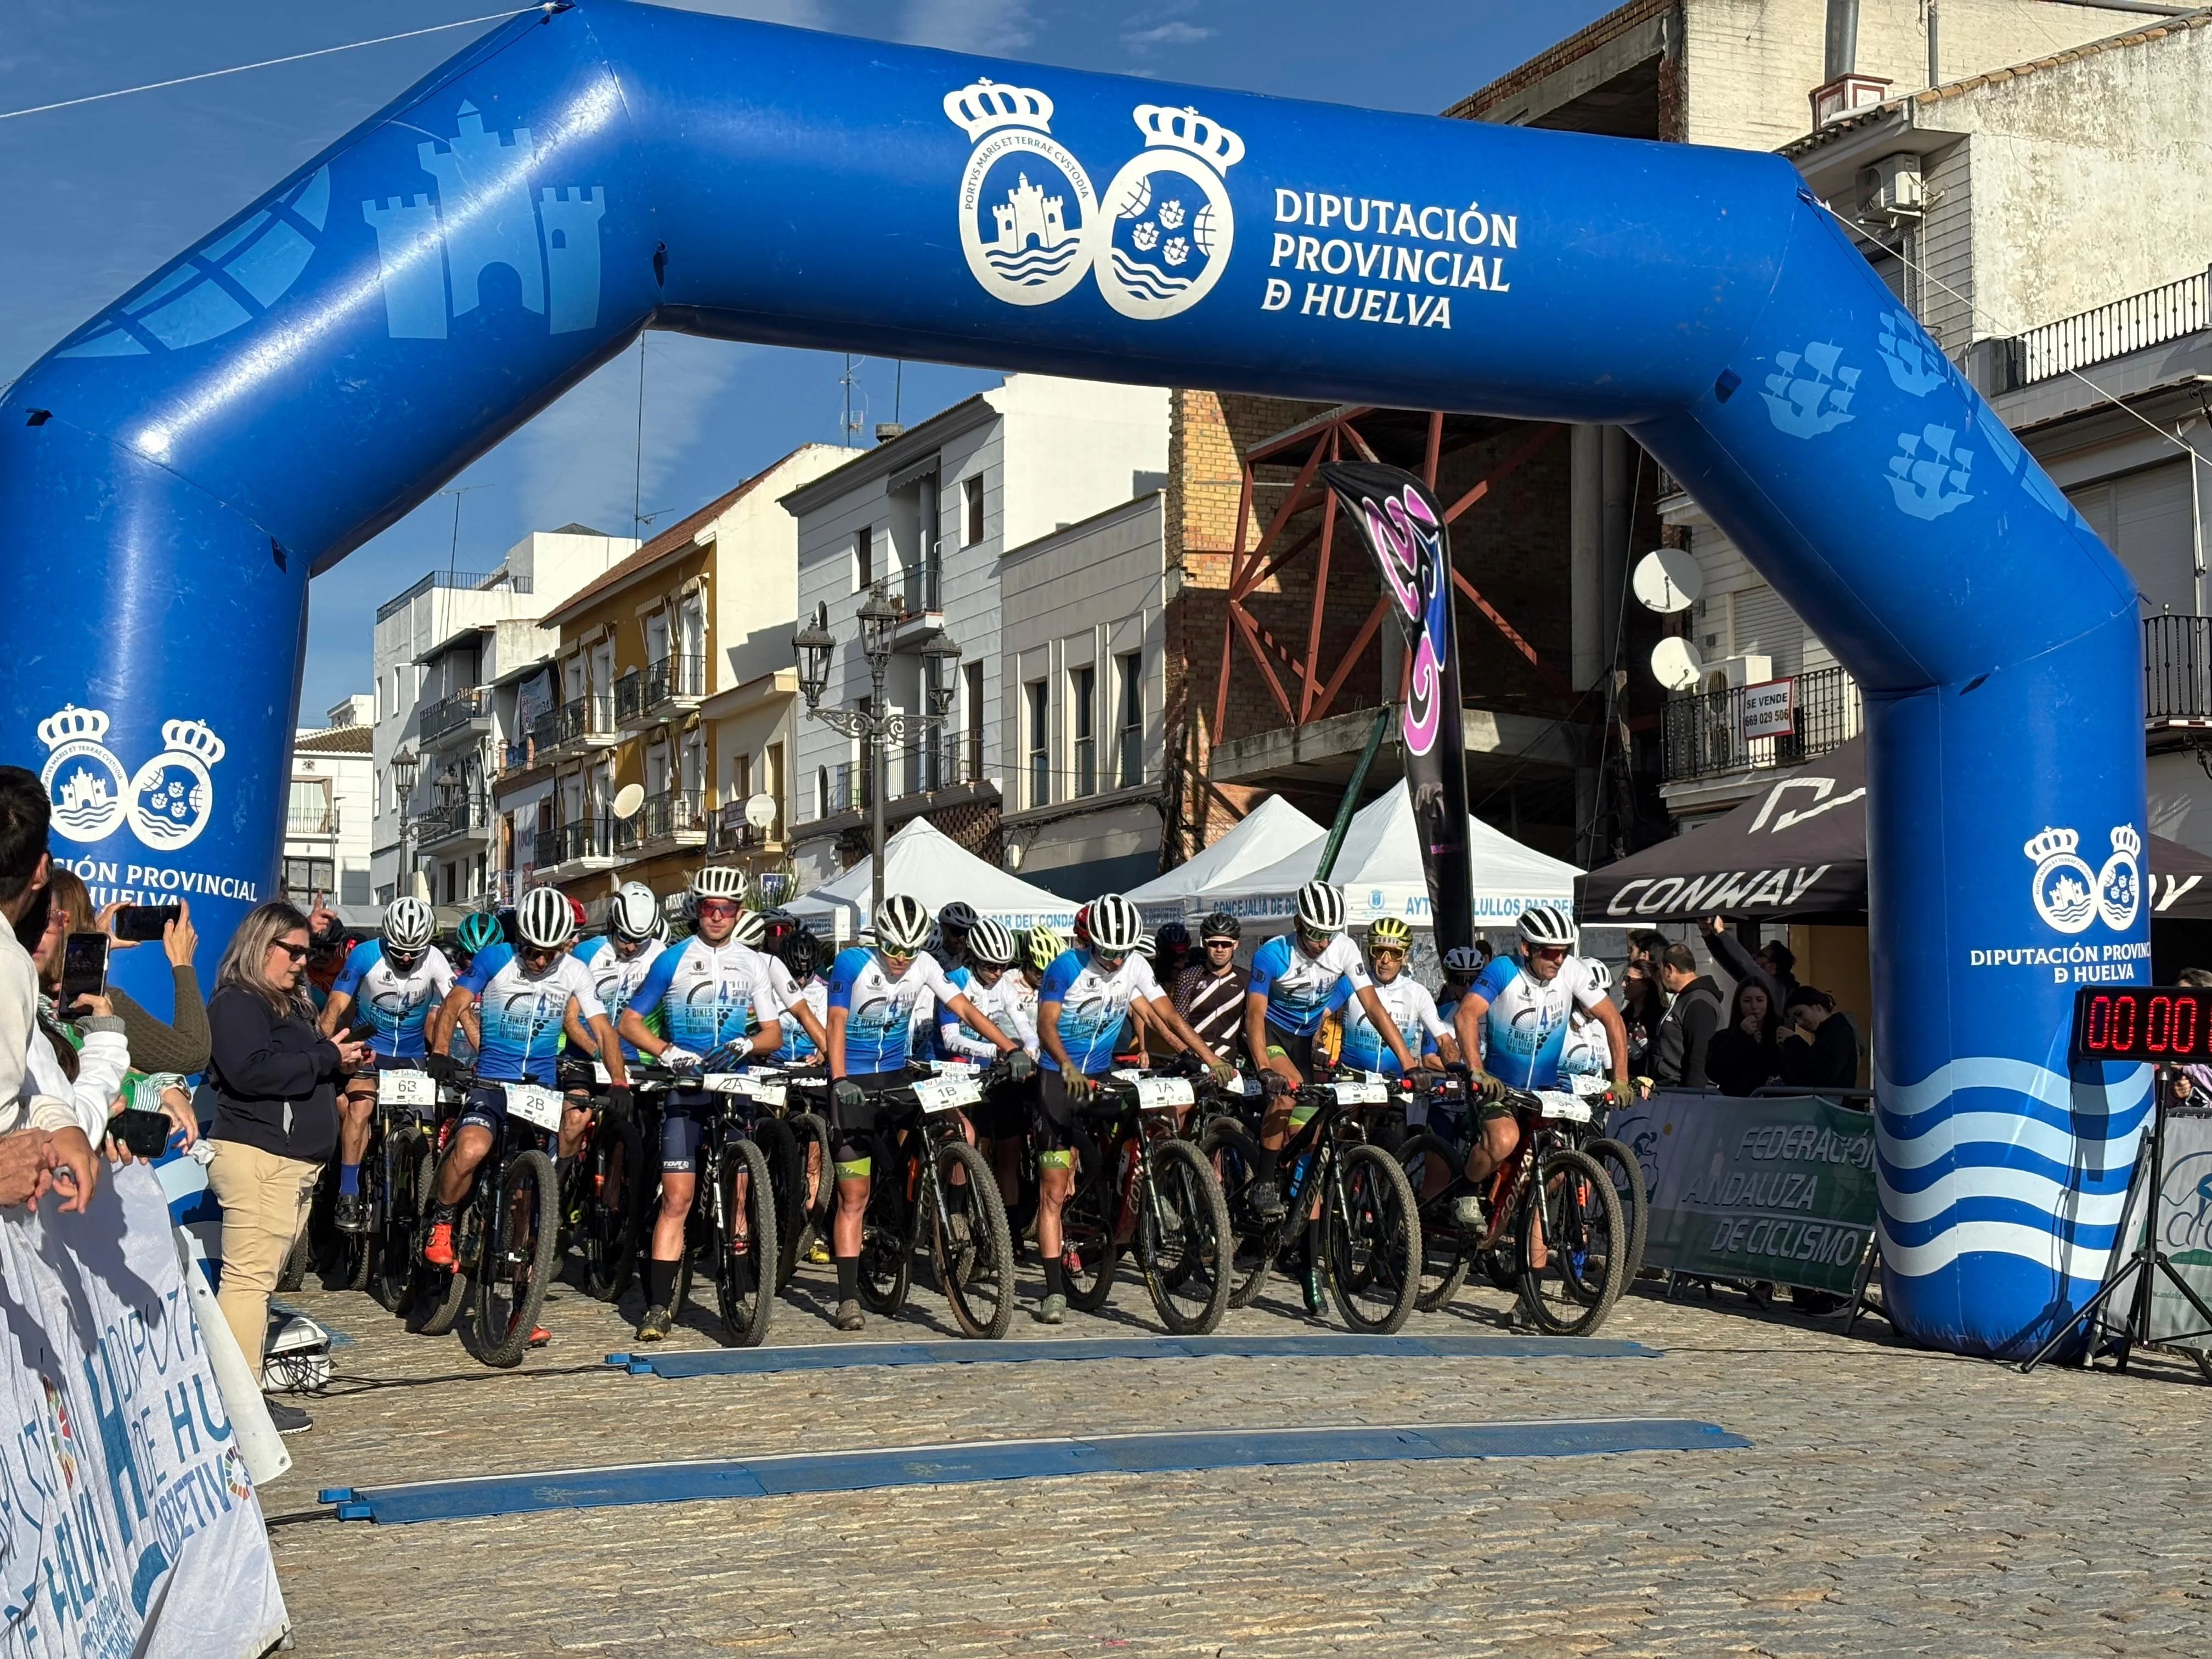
[{"x": 264, "y": 1205}]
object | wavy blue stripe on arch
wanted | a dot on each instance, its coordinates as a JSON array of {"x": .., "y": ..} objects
[
  {"x": 1998, "y": 1155},
  {"x": 2087, "y": 1235},
  {"x": 2083, "y": 1126}
]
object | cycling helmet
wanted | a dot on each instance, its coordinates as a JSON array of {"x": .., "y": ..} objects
[
  {"x": 1598, "y": 974},
  {"x": 634, "y": 912},
  {"x": 1082, "y": 928},
  {"x": 1145, "y": 947},
  {"x": 1115, "y": 925},
  {"x": 1219, "y": 924},
  {"x": 718, "y": 881},
  {"x": 545, "y": 919},
  {"x": 1046, "y": 947},
  {"x": 1546, "y": 924},
  {"x": 959, "y": 916},
  {"x": 751, "y": 928},
  {"x": 801, "y": 952},
  {"x": 1463, "y": 959},
  {"x": 1389, "y": 933},
  {"x": 902, "y": 924},
  {"x": 1320, "y": 908},
  {"x": 480, "y": 931},
  {"x": 408, "y": 923},
  {"x": 1173, "y": 936},
  {"x": 990, "y": 943}
]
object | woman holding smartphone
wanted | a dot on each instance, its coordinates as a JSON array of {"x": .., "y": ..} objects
[{"x": 275, "y": 1077}]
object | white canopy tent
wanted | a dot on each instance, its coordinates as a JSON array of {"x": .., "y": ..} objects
[
  {"x": 921, "y": 860},
  {"x": 1270, "y": 833},
  {"x": 1379, "y": 867}
]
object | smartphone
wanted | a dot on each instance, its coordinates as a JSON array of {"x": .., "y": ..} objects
[
  {"x": 362, "y": 1032},
  {"x": 84, "y": 968},
  {"x": 144, "y": 922}
]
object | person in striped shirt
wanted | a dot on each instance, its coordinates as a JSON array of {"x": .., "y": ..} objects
[{"x": 1210, "y": 993}]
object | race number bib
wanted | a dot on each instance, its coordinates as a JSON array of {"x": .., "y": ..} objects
[
  {"x": 412, "y": 1088},
  {"x": 533, "y": 1104},
  {"x": 945, "y": 1094}
]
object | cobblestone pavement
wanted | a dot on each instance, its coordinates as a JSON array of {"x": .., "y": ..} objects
[{"x": 1892, "y": 1502}]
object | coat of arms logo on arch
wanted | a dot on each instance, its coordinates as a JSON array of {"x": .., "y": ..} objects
[{"x": 1032, "y": 226}]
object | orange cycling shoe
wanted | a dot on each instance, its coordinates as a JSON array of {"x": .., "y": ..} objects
[{"x": 439, "y": 1252}]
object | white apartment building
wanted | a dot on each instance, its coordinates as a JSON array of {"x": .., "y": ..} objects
[
  {"x": 929, "y": 515},
  {"x": 327, "y": 813},
  {"x": 536, "y": 572}
]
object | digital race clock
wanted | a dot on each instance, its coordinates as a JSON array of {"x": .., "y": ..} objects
[{"x": 2143, "y": 1022}]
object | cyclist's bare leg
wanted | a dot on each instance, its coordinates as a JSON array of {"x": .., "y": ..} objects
[
  {"x": 676, "y": 1189},
  {"x": 468, "y": 1151},
  {"x": 573, "y": 1122},
  {"x": 354, "y": 1107},
  {"x": 851, "y": 1206},
  {"x": 1055, "y": 1185}
]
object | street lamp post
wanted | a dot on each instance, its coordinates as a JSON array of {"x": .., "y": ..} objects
[{"x": 874, "y": 726}]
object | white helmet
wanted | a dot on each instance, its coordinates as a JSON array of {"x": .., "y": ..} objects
[
  {"x": 1463, "y": 959},
  {"x": 1146, "y": 948},
  {"x": 543, "y": 918},
  {"x": 903, "y": 924},
  {"x": 990, "y": 943},
  {"x": 408, "y": 922},
  {"x": 751, "y": 928},
  {"x": 1597, "y": 973},
  {"x": 719, "y": 881},
  {"x": 1546, "y": 924},
  {"x": 1115, "y": 927},
  {"x": 1320, "y": 908},
  {"x": 634, "y": 914}
]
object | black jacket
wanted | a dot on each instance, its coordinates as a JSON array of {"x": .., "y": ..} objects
[
  {"x": 1678, "y": 1053},
  {"x": 274, "y": 1076},
  {"x": 1740, "y": 1064},
  {"x": 1829, "y": 1060}
]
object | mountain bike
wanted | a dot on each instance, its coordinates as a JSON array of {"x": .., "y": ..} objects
[
  {"x": 930, "y": 1190},
  {"x": 613, "y": 1185},
  {"x": 795, "y": 1140},
  {"x": 730, "y": 1228},
  {"x": 507, "y": 1229},
  {"x": 1139, "y": 1186},
  {"x": 1347, "y": 1209}
]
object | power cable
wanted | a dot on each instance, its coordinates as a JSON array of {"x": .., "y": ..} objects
[{"x": 548, "y": 8}]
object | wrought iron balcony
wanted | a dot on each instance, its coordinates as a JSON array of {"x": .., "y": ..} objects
[
  {"x": 630, "y": 700},
  {"x": 675, "y": 678},
  {"x": 1702, "y": 735},
  {"x": 458, "y": 713},
  {"x": 463, "y": 815},
  {"x": 674, "y": 817},
  {"x": 2176, "y": 669},
  {"x": 2139, "y": 321},
  {"x": 586, "y": 722},
  {"x": 312, "y": 821},
  {"x": 586, "y": 838},
  {"x": 545, "y": 847}
]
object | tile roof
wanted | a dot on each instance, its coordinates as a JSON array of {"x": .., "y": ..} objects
[{"x": 336, "y": 740}]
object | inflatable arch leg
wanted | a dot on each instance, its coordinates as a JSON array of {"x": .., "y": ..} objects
[{"x": 283, "y": 391}]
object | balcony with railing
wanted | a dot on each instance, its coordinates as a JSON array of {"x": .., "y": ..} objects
[
  {"x": 586, "y": 722},
  {"x": 1702, "y": 735},
  {"x": 729, "y": 832},
  {"x": 949, "y": 762},
  {"x": 311, "y": 821},
  {"x": 545, "y": 848},
  {"x": 462, "y": 580},
  {"x": 677, "y": 680},
  {"x": 671, "y": 819},
  {"x": 467, "y": 712},
  {"x": 629, "y": 701},
  {"x": 2177, "y": 669},
  {"x": 463, "y": 817},
  {"x": 2139, "y": 321}
]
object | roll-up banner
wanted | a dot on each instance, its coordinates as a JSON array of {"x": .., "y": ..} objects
[{"x": 1403, "y": 526}]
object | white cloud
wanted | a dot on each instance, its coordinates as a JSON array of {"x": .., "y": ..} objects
[
  {"x": 984, "y": 26},
  {"x": 1166, "y": 34}
]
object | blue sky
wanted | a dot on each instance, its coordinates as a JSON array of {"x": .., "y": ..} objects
[{"x": 103, "y": 193}]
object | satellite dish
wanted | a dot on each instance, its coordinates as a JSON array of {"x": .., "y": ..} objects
[
  {"x": 760, "y": 812},
  {"x": 627, "y": 799},
  {"x": 1668, "y": 580},
  {"x": 1674, "y": 662}
]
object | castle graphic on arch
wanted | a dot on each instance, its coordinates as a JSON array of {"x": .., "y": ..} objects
[
  {"x": 489, "y": 210},
  {"x": 1034, "y": 242}
]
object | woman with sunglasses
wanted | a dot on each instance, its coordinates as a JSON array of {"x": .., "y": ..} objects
[{"x": 275, "y": 1077}]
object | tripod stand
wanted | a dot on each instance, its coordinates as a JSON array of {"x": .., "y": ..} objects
[{"x": 2147, "y": 1261}]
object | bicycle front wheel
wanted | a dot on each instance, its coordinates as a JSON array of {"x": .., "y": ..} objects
[
  {"x": 1234, "y": 1153},
  {"x": 1570, "y": 1214},
  {"x": 613, "y": 1202},
  {"x": 1374, "y": 1241},
  {"x": 744, "y": 1244},
  {"x": 393, "y": 1283},
  {"x": 517, "y": 1261},
  {"x": 973, "y": 1251},
  {"x": 1617, "y": 1161},
  {"x": 1090, "y": 1253},
  {"x": 813, "y": 1190},
  {"x": 1183, "y": 1222},
  {"x": 1444, "y": 1262},
  {"x": 886, "y": 1232}
]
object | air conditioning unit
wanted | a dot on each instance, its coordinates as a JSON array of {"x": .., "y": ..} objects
[
  {"x": 1891, "y": 186},
  {"x": 1733, "y": 673}
]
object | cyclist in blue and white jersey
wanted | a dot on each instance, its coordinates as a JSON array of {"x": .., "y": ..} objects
[
  {"x": 800, "y": 1012},
  {"x": 1294, "y": 984},
  {"x": 1008, "y": 1001},
  {"x": 395, "y": 980},
  {"x": 872, "y": 994},
  {"x": 620, "y": 959},
  {"x": 1515, "y": 1020},
  {"x": 1405, "y": 999},
  {"x": 1082, "y": 1005},
  {"x": 522, "y": 993},
  {"x": 795, "y": 961},
  {"x": 710, "y": 992},
  {"x": 1589, "y": 1052}
]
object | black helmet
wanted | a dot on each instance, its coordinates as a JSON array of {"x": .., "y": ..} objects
[
  {"x": 1173, "y": 936},
  {"x": 1219, "y": 924}
]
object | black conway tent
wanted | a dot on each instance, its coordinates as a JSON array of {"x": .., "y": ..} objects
[{"x": 1796, "y": 852}]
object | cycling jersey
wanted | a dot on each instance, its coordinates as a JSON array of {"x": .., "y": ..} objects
[
  {"x": 707, "y": 994},
  {"x": 1299, "y": 988},
  {"x": 1589, "y": 1052},
  {"x": 880, "y": 1009},
  {"x": 521, "y": 1015},
  {"x": 397, "y": 1004},
  {"x": 1003, "y": 1003},
  {"x": 1093, "y": 1004},
  {"x": 798, "y": 1048},
  {"x": 1524, "y": 1030},
  {"x": 1412, "y": 1010},
  {"x": 617, "y": 980}
]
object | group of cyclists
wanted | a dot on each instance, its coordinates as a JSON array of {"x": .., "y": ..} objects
[{"x": 515, "y": 1002}]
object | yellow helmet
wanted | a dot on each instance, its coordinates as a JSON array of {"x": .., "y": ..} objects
[
  {"x": 1389, "y": 933},
  {"x": 1045, "y": 946}
]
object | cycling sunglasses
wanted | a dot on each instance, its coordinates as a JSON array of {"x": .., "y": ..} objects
[{"x": 717, "y": 908}]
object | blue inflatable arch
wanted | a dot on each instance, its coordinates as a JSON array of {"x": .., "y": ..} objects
[{"x": 177, "y": 468}]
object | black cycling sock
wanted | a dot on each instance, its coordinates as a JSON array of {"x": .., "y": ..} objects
[
  {"x": 848, "y": 1277},
  {"x": 1055, "y": 1277},
  {"x": 441, "y": 1215},
  {"x": 659, "y": 1283}
]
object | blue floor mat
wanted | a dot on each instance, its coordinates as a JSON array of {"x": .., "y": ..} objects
[
  {"x": 476, "y": 1498},
  {"x": 837, "y": 1356}
]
